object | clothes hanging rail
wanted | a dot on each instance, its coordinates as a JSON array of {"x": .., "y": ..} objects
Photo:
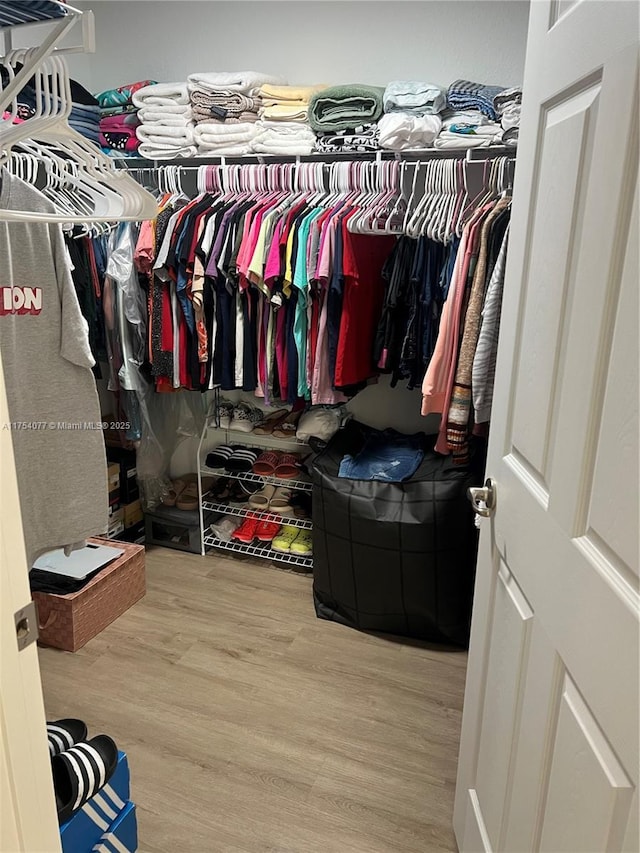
[
  {"x": 397, "y": 195},
  {"x": 470, "y": 154}
]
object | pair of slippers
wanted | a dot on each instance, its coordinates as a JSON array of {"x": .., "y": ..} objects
[
  {"x": 272, "y": 499},
  {"x": 232, "y": 492},
  {"x": 233, "y": 458},
  {"x": 292, "y": 540},
  {"x": 183, "y": 493},
  {"x": 281, "y": 424},
  {"x": 284, "y": 466},
  {"x": 80, "y": 767}
]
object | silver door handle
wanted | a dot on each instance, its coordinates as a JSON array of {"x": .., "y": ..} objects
[{"x": 483, "y": 498}]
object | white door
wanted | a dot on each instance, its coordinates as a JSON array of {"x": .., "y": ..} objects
[
  {"x": 28, "y": 821},
  {"x": 549, "y": 750}
]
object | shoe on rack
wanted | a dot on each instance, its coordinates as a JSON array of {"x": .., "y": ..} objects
[
  {"x": 288, "y": 426},
  {"x": 249, "y": 487},
  {"x": 271, "y": 422},
  {"x": 303, "y": 544},
  {"x": 220, "y": 490},
  {"x": 288, "y": 467},
  {"x": 220, "y": 455},
  {"x": 284, "y": 540},
  {"x": 261, "y": 500},
  {"x": 267, "y": 530},
  {"x": 224, "y": 413},
  {"x": 241, "y": 460},
  {"x": 280, "y": 503},
  {"x": 301, "y": 503},
  {"x": 266, "y": 463},
  {"x": 246, "y": 417},
  {"x": 237, "y": 495},
  {"x": 247, "y": 531}
]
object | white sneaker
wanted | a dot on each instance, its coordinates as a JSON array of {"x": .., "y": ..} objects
[
  {"x": 246, "y": 417},
  {"x": 224, "y": 413}
]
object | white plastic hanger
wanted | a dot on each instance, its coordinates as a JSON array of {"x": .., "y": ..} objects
[{"x": 115, "y": 195}]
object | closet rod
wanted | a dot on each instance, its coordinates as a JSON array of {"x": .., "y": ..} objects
[{"x": 470, "y": 154}]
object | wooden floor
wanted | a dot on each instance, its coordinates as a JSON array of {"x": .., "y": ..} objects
[{"x": 252, "y": 726}]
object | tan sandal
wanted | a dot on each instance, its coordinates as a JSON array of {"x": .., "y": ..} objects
[
  {"x": 288, "y": 426},
  {"x": 175, "y": 490},
  {"x": 268, "y": 425},
  {"x": 188, "y": 498},
  {"x": 281, "y": 501},
  {"x": 262, "y": 499}
]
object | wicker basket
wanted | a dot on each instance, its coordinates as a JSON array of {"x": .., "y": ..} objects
[{"x": 70, "y": 621}]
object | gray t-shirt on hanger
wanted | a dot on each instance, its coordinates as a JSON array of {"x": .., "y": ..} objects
[{"x": 51, "y": 392}]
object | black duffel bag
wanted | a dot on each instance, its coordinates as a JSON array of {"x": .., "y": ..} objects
[{"x": 394, "y": 557}]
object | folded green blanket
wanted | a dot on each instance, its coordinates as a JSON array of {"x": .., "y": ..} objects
[{"x": 341, "y": 107}]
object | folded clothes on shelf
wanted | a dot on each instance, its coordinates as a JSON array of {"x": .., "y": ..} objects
[
  {"x": 403, "y": 131},
  {"x": 166, "y": 129},
  {"x": 283, "y": 137},
  {"x": 341, "y": 107},
  {"x": 363, "y": 138},
  {"x": 222, "y": 138},
  {"x": 230, "y": 81},
  {"x": 121, "y": 96},
  {"x": 465, "y": 94},
  {"x": 413, "y": 97},
  {"x": 227, "y": 106}
]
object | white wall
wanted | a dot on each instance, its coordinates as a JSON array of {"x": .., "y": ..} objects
[{"x": 308, "y": 41}]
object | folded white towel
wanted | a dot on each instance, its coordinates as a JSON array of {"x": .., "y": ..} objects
[
  {"x": 402, "y": 131},
  {"x": 157, "y": 117},
  {"x": 277, "y": 137},
  {"x": 285, "y": 128},
  {"x": 235, "y": 81},
  {"x": 160, "y": 134},
  {"x": 209, "y": 134},
  {"x": 274, "y": 145},
  {"x": 154, "y": 112},
  {"x": 166, "y": 152},
  {"x": 161, "y": 93},
  {"x": 225, "y": 150}
]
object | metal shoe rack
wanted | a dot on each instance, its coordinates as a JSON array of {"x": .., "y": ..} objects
[{"x": 212, "y": 435}]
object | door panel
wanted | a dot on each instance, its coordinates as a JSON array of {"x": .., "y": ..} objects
[
  {"x": 617, "y": 473},
  {"x": 563, "y": 157},
  {"x": 28, "y": 820},
  {"x": 508, "y": 653},
  {"x": 549, "y": 750},
  {"x": 584, "y": 769}
]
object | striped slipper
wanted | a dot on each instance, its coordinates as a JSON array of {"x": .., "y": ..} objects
[
  {"x": 242, "y": 460},
  {"x": 63, "y": 734},
  {"x": 220, "y": 455},
  {"x": 80, "y": 772}
]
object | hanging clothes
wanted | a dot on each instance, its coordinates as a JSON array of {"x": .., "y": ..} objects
[
  {"x": 51, "y": 392},
  {"x": 450, "y": 386},
  {"x": 270, "y": 293}
]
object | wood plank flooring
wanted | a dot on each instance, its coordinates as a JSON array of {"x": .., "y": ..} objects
[{"x": 252, "y": 726}]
